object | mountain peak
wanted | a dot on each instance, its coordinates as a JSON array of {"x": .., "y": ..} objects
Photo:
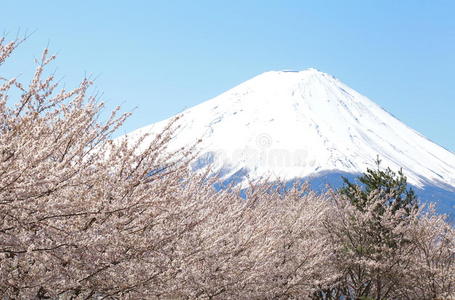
[
  {"x": 291, "y": 80},
  {"x": 308, "y": 70},
  {"x": 289, "y": 72},
  {"x": 292, "y": 124},
  {"x": 305, "y": 72}
]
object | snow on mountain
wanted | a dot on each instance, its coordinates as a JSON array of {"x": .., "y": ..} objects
[{"x": 289, "y": 124}]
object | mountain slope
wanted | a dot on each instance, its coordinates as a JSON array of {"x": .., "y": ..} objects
[{"x": 296, "y": 124}]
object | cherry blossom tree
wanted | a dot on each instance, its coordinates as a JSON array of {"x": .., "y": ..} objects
[
  {"x": 83, "y": 215},
  {"x": 385, "y": 252},
  {"x": 86, "y": 216},
  {"x": 76, "y": 209}
]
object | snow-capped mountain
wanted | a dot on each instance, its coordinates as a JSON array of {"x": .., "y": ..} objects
[{"x": 290, "y": 124}]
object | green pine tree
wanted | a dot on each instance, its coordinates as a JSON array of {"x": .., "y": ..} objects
[
  {"x": 393, "y": 187},
  {"x": 373, "y": 239}
]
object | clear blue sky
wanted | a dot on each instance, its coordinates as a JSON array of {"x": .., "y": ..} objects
[{"x": 165, "y": 56}]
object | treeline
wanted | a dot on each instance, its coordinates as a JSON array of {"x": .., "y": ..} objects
[{"x": 82, "y": 216}]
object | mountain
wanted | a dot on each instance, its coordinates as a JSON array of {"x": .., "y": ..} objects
[{"x": 306, "y": 125}]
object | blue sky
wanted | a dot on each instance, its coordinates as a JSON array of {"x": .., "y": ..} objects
[{"x": 165, "y": 56}]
